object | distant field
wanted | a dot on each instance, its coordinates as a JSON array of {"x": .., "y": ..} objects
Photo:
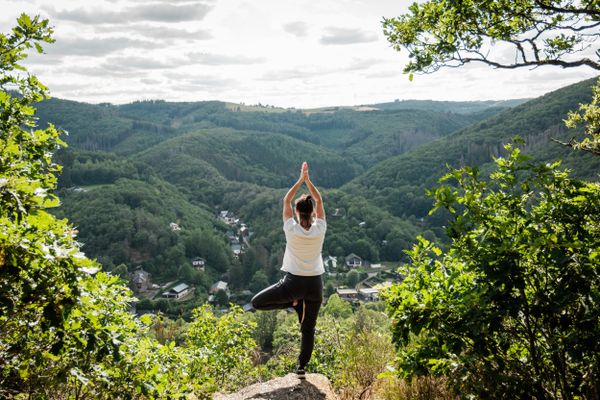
[{"x": 255, "y": 108}]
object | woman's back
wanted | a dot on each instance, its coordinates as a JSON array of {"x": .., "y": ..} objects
[{"x": 303, "y": 248}]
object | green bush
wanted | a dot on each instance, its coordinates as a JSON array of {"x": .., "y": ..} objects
[{"x": 512, "y": 309}]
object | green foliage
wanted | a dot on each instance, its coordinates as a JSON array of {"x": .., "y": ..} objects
[
  {"x": 220, "y": 345},
  {"x": 588, "y": 114},
  {"x": 337, "y": 307},
  {"x": 266, "y": 323},
  {"x": 352, "y": 278},
  {"x": 66, "y": 328},
  {"x": 440, "y": 33},
  {"x": 40, "y": 263},
  {"x": 365, "y": 354},
  {"x": 512, "y": 307},
  {"x": 259, "y": 282},
  {"x": 390, "y": 387}
]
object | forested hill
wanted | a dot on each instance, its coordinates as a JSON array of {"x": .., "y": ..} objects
[
  {"x": 366, "y": 137},
  {"x": 398, "y": 183},
  {"x": 144, "y": 182},
  {"x": 459, "y": 107}
]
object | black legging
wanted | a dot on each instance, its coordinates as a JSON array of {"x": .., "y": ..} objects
[{"x": 282, "y": 294}]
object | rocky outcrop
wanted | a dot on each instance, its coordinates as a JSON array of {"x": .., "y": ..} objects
[{"x": 315, "y": 387}]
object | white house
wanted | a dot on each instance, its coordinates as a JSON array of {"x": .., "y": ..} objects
[
  {"x": 368, "y": 294},
  {"x": 199, "y": 263},
  {"x": 177, "y": 292},
  {"x": 353, "y": 261},
  {"x": 347, "y": 294},
  {"x": 227, "y": 216},
  {"x": 220, "y": 285}
]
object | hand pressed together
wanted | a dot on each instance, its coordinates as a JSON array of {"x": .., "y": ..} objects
[{"x": 304, "y": 172}]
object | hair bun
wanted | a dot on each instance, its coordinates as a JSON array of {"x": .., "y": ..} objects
[{"x": 309, "y": 197}]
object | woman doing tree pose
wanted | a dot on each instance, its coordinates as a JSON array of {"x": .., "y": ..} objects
[{"x": 302, "y": 286}]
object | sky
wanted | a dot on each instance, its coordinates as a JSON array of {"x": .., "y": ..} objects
[{"x": 301, "y": 53}]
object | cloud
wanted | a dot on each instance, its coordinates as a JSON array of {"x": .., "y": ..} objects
[
  {"x": 149, "y": 81},
  {"x": 67, "y": 87},
  {"x": 362, "y": 63},
  {"x": 171, "y": 13},
  {"x": 221, "y": 59},
  {"x": 343, "y": 36},
  {"x": 96, "y": 46},
  {"x": 159, "y": 12},
  {"x": 180, "y": 80},
  {"x": 202, "y": 83},
  {"x": 158, "y": 32},
  {"x": 297, "y": 28},
  {"x": 306, "y": 72},
  {"x": 397, "y": 73},
  {"x": 43, "y": 59},
  {"x": 296, "y": 73},
  {"x": 207, "y": 85},
  {"x": 124, "y": 64}
]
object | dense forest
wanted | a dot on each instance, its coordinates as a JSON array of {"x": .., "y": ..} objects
[{"x": 130, "y": 170}]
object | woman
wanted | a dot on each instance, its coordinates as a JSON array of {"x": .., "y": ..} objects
[{"x": 302, "y": 286}]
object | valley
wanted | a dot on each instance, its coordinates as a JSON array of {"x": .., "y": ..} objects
[{"x": 132, "y": 171}]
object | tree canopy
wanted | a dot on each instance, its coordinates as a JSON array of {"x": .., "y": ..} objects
[{"x": 439, "y": 33}]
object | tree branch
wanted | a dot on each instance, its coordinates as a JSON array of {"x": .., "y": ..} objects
[
  {"x": 578, "y": 11},
  {"x": 560, "y": 63},
  {"x": 571, "y": 143}
]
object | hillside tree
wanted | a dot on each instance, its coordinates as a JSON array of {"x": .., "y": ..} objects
[
  {"x": 66, "y": 330},
  {"x": 510, "y": 310}
]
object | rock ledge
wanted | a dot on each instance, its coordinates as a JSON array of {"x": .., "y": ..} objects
[{"x": 315, "y": 387}]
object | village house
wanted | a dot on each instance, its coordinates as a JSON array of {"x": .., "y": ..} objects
[
  {"x": 227, "y": 216},
  {"x": 368, "y": 294},
  {"x": 353, "y": 261},
  {"x": 177, "y": 292},
  {"x": 139, "y": 280},
  {"x": 199, "y": 263},
  {"x": 220, "y": 285},
  {"x": 217, "y": 287},
  {"x": 347, "y": 294}
]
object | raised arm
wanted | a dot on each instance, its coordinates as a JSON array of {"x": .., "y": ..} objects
[
  {"x": 314, "y": 192},
  {"x": 287, "y": 199}
]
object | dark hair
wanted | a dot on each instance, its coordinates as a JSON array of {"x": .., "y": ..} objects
[{"x": 305, "y": 206}]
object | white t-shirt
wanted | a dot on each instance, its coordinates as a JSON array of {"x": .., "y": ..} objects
[{"x": 303, "y": 248}]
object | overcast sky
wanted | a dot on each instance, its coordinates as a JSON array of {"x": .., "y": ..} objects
[{"x": 298, "y": 53}]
